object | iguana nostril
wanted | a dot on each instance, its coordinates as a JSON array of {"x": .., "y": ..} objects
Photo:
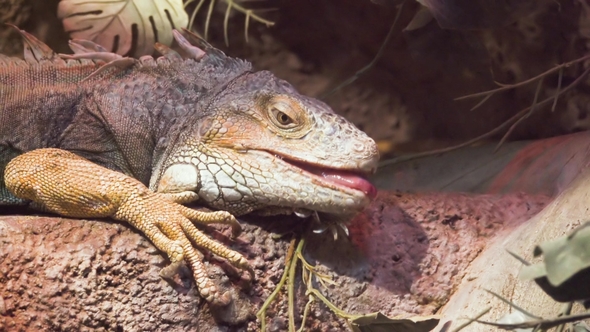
[{"x": 358, "y": 147}]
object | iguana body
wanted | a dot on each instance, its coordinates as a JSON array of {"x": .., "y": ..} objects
[{"x": 200, "y": 126}]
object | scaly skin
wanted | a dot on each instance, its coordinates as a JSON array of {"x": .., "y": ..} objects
[
  {"x": 73, "y": 186},
  {"x": 198, "y": 127}
]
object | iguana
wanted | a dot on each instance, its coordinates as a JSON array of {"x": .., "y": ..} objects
[{"x": 85, "y": 135}]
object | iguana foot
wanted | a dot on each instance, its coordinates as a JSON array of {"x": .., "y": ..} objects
[
  {"x": 184, "y": 197},
  {"x": 69, "y": 185}
]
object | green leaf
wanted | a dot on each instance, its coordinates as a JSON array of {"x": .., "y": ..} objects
[
  {"x": 565, "y": 269},
  {"x": 566, "y": 256},
  {"x": 533, "y": 271}
]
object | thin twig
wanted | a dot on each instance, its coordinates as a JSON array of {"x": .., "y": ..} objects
[
  {"x": 375, "y": 59},
  {"x": 542, "y": 324},
  {"x": 291, "y": 286},
  {"x": 195, "y": 11},
  {"x": 520, "y": 259},
  {"x": 567, "y": 310},
  {"x": 450, "y": 148},
  {"x": 533, "y": 107},
  {"x": 231, "y": 4},
  {"x": 515, "y": 118},
  {"x": 252, "y": 14},
  {"x": 208, "y": 19},
  {"x": 261, "y": 314},
  {"x": 523, "y": 112},
  {"x": 247, "y": 24},
  {"x": 510, "y": 303},
  {"x": 471, "y": 320},
  {"x": 226, "y": 22},
  {"x": 330, "y": 305},
  {"x": 482, "y": 102},
  {"x": 504, "y": 87},
  {"x": 559, "y": 79},
  {"x": 313, "y": 291},
  {"x": 312, "y": 268},
  {"x": 306, "y": 312}
]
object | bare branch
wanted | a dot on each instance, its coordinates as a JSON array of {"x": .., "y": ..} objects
[
  {"x": 375, "y": 59},
  {"x": 504, "y": 87},
  {"x": 514, "y": 120}
]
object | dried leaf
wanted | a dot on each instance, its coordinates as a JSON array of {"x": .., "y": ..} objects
[
  {"x": 126, "y": 27},
  {"x": 422, "y": 17},
  {"x": 377, "y": 322}
]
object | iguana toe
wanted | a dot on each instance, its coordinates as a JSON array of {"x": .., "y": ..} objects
[{"x": 67, "y": 184}]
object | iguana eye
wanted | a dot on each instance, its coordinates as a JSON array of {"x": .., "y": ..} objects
[
  {"x": 282, "y": 118},
  {"x": 283, "y": 115}
]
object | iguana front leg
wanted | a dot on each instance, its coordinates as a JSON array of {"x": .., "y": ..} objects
[{"x": 69, "y": 185}]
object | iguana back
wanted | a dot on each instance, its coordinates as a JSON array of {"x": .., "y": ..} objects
[
  {"x": 83, "y": 138},
  {"x": 38, "y": 98},
  {"x": 195, "y": 121},
  {"x": 112, "y": 116}
]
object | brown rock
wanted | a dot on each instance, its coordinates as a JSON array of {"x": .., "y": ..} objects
[{"x": 406, "y": 255}]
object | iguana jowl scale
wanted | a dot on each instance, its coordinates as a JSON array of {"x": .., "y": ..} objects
[{"x": 83, "y": 135}]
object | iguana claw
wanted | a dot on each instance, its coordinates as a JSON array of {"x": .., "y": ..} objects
[{"x": 69, "y": 185}]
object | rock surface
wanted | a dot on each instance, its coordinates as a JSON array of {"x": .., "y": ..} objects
[
  {"x": 496, "y": 271},
  {"x": 406, "y": 255}
]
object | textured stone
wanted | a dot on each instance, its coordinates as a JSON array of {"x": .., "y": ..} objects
[{"x": 406, "y": 255}]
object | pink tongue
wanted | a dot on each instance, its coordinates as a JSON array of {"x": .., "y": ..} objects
[
  {"x": 342, "y": 178},
  {"x": 352, "y": 181}
]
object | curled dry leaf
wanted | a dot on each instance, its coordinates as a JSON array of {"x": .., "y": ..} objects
[
  {"x": 377, "y": 322},
  {"x": 126, "y": 27}
]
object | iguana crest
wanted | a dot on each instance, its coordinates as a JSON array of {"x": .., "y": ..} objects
[
  {"x": 82, "y": 135},
  {"x": 191, "y": 120}
]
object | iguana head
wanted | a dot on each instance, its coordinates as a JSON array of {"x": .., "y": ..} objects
[{"x": 260, "y": 145}]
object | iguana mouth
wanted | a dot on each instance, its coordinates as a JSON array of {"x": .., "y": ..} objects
[{"x": 338, "y": 177}]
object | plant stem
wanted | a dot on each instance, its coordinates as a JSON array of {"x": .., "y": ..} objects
[{"x": 261, "y": 314}]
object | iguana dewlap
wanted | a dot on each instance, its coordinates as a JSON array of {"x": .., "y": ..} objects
[{"x": 84, "y": 135}]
